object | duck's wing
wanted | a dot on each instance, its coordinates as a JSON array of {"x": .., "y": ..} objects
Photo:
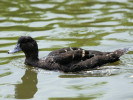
[
  {"x": 67, "y": 50},
  {"x": 63, "y": 50},
  {"x": 69, "y": 55},
  {"x": 72, "y": 56}
]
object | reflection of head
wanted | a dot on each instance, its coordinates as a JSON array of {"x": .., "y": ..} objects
[{"x": 27, "y": 88}]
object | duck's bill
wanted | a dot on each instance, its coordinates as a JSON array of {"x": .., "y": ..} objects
[{"x": 16, "y": 49}]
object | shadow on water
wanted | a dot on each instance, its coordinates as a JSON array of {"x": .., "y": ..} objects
[
  {"x": 94, "y": 73},
  {"x": 80, "y": 97},
  {"x": 28, "y": 87},
  {"x": 77, "y": 98}
]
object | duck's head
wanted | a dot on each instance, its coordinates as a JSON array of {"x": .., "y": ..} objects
[{"x": 28, "y": 45}]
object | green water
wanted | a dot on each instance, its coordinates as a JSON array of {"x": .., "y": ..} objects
[{"x": 104, "y": 25}]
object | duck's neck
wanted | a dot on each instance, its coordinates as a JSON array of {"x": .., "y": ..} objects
[{"x": 32, "y": 58}]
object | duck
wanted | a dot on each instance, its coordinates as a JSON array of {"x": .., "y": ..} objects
[{"x": 71, "y": 59}]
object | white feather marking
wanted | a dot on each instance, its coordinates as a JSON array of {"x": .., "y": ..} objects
[
  {"x": 65, "y": 50},
  {"x": 107, "y": 55},
  {"x": 83, "y": 53},
  {"x": 71, "y": 49}
]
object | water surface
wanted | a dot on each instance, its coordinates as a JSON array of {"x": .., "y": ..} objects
[{"x": 104, "y": 25}]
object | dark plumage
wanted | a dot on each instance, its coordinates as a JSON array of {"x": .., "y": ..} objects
[{"x": 65, "y": 59}]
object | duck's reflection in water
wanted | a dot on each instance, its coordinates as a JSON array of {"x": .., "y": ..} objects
[{"x": 27, "y": 88}]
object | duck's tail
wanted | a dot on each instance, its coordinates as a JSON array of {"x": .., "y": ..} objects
[{"x": 121, "y": 52}]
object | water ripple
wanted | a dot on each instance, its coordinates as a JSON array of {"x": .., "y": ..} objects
[{"x": 103, "y": 25}]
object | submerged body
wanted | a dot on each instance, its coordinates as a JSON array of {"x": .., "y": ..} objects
[{"x": 65, "y": 59}]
